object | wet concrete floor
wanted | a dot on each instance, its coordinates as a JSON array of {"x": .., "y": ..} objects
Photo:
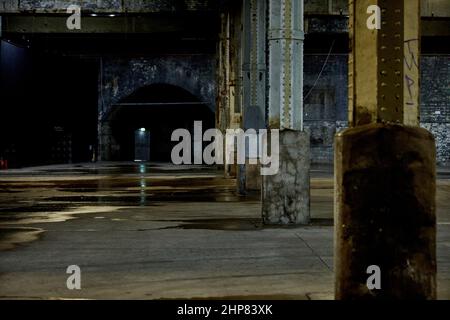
[{"x": 152, "y": 231}]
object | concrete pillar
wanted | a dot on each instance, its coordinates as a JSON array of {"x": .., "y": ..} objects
[
  {"x": 385, "y": 224},
  {"x": 285, "y": 196}
]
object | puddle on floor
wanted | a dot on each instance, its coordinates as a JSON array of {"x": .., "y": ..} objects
[
  {"x": 238, "y": 224},
  {"x": 35, "y": 208},
  {"x": 204, "y": 195},
  {"x": 12, "y": 237},
  {"x": 17, "y": 218}
]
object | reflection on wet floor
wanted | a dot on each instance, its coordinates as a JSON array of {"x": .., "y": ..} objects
[
  {"x": 60, "y": 193},
  {"x": 11, "y": 237},
  {"x": 181, "y": 224},
  {"x": 123, "y": 185},
  {"x": 242, "y": 224},
  {"x": 39, "y": 195},
  {"x": 107, "y": 169}
]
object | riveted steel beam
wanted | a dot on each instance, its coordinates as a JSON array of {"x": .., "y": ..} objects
[
  {"x": 285, "y": 39},
  {"x": 384, "y": 63},
  {"x": 254, "y": 64},
  {"x": 253, "y": 84}
]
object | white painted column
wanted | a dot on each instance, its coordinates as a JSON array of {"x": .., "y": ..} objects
[
  {"x": 285, "y": 38},
  {"x": 286, "y": 196}
]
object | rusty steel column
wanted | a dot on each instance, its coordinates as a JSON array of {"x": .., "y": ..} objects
[
  {"x": 254, "y": 86},
  {"x": 223, "y": 74},
  {"x": 229, "y": 104},
  {"x": 385, "y": 178}
]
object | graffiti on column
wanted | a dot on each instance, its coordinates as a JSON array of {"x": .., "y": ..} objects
[{"x": 411, "y": 61}]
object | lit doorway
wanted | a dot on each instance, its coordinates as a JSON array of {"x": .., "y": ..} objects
[{"x": 142, "y": 145}]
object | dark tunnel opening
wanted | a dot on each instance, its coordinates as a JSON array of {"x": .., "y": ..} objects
[
  {"x": 45, "y": 97},
  {"x": 157, "y": 110}
]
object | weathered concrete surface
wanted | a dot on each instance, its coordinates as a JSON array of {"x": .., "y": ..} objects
[
  {"x": 122, "y": 77},
  {"x": 117, "y": 6},
  {"x": 164, "y": 233},
  {"x": 285, "y": 196},
  {"x": 185, "y": 234},
  {"x": 385, "y": 182}
]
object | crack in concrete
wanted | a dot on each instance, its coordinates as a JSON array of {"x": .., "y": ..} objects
[{"x": 314, "y": 252}]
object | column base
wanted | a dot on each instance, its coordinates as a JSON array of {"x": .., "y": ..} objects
[
  {"x": 385, "y": 184},
  {"x": 286, "y": 196}
]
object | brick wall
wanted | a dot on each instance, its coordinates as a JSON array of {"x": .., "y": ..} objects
[
  {"x": 435, "y": 102},
  {"x": 326, "y": 104}
]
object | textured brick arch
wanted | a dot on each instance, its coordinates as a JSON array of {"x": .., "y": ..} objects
[
  {"x": 121, "y": 77},
  {"x": 173, "y": 93}
]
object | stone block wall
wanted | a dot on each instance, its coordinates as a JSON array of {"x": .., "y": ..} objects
[
  {"x": 435, "y": 102},
  {"x": 326, "y": 104}
]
